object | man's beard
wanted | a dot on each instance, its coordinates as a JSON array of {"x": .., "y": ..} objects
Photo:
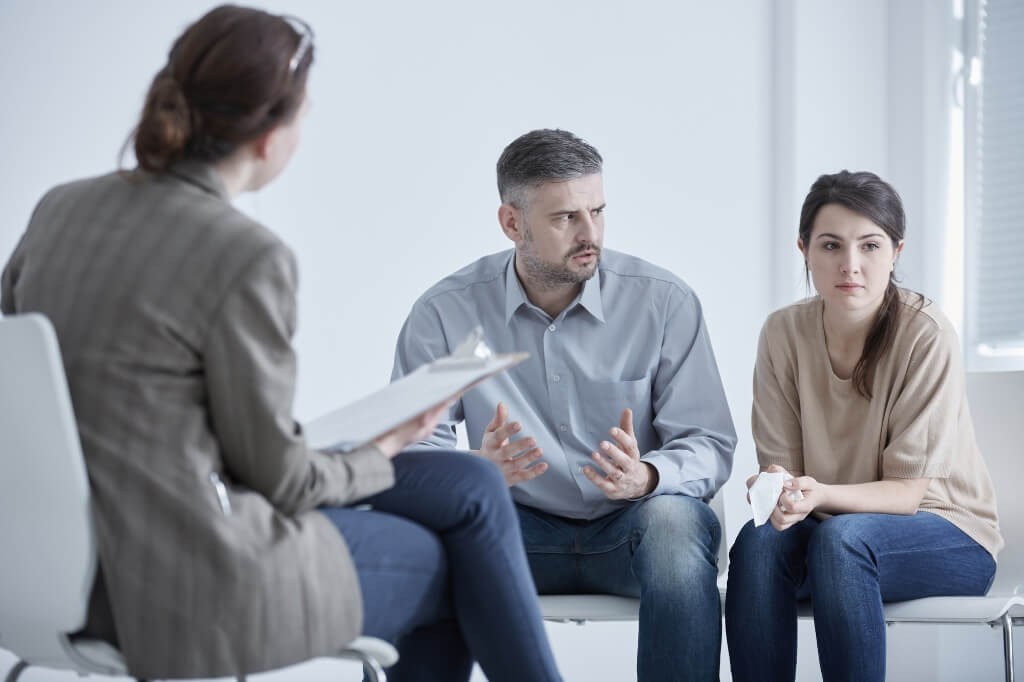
[{"x": 554, "y": 276}]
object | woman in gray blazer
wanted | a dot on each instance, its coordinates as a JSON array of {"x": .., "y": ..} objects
[{"x": 226, "y": 546}]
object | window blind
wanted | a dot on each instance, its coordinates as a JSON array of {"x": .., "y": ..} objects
[{"x": 996, "y": 317}]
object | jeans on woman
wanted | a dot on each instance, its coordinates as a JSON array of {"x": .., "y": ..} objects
[
  {"x": 443, "y": 573},
  {"x": 847, "y": 565}
]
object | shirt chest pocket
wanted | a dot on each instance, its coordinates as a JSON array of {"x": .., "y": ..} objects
[{"x": 601, "y": 404}]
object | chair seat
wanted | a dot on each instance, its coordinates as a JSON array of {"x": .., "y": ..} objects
[
  {"x": 96, "y": 656},
  {"x": 377, "y": 649},
  {"x": 99, "y": 657},
  {"x": 953, "y": 609},
  {"x": 589, "y": 607},
  {"x": 605, "y": 607}
]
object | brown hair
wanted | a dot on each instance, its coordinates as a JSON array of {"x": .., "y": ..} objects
[
  {"x": 229, "y": 78},
  {"x": 868, "y": 195}
]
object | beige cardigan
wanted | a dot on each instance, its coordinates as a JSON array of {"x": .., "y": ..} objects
[{"x": 916, "y": 425}]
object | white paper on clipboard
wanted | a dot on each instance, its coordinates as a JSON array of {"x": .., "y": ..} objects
[{"x": 360, "y": 422}]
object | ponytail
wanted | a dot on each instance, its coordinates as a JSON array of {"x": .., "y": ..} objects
[
  {"x": 166, "y": 125},
  {"x": 230, "y": 77}
]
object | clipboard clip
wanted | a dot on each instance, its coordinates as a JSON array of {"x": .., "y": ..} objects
[{"x": 473, "y": 351}]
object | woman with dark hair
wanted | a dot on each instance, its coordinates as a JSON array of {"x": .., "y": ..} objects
[
  {"x": 226, "y": 545},
  {"x": 859, "y": 395}
]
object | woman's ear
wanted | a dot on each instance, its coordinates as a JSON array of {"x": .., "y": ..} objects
[{"x": 262, "y": 144}]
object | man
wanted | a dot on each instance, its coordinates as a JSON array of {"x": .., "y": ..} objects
[{"x": 621, "y": 430}]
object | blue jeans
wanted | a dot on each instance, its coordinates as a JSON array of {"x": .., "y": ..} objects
[
  {"x": 443, "y": 573},
  {"x": 847, "y": 565},
  {"x": 663, "y": 550}
]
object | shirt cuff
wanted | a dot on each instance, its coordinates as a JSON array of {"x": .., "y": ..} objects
[{"x": 670, "y": 480}]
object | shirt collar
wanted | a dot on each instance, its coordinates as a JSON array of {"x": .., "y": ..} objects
[
  {"x": 202, "y": 175},
  {"x": 515, "y": 296}
]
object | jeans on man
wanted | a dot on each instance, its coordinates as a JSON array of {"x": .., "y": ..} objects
[{"x": 663, "y": 550}]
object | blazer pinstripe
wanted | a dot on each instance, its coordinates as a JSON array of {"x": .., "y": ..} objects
[{"x": 175, "y": 314}]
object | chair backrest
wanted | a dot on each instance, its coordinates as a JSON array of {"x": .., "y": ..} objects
[
  {"x": 46, "y": 537},
  {"x": 996, "y": 401}
]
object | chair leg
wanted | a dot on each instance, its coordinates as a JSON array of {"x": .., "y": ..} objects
[
  {"x": 373, "y": 671},
  {"x": 16, "y": 671},
  {"x": 1008, "y": 645}
]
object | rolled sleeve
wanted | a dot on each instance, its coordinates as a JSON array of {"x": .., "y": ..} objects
[
  {"x": 421, "y": 341},
  {"x": 692, "y": 416}
]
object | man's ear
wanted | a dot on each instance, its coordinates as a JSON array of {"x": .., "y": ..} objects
[{"x": 510, "y": 219}]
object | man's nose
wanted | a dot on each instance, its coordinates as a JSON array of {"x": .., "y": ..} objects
[{"x": 588, "y": 230}]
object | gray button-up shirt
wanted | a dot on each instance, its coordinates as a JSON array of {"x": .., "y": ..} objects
[{"x": 634, "y": 337}]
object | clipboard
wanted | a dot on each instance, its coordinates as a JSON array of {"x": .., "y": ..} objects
[{"x": 471, "y": 363}]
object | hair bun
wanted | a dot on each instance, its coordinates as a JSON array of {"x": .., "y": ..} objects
[{"x": 165, "y": 126}]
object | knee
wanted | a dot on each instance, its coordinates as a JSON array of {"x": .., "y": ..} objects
[
  {"x": 679, "y": 535},
  {"x": 757, "y": 549},
  {"x": 478, "y": 475},
  {"x": 479, "y": 485},
  {"x": 838, "y": 545}
]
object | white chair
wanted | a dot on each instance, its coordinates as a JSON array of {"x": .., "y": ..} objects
[
  {"x": 995, "y": 400},
  {"x": 49, "y": 549}
]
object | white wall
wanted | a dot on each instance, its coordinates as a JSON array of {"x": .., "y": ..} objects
[{"x": 713, "y": 119}]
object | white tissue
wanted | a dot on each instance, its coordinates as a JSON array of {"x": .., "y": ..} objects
[{"x": 765, "y": 492}]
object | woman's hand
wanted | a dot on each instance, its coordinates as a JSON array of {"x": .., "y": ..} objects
[
  {"x": 772, "y": 469},
  {"x": 416, "y": 429},
  {"x": 789, "y": 511}
]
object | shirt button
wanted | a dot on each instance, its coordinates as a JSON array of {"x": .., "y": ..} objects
[
  {"x": 563, "y": 428},
  {"x": 552, "y": 328},
  {"x": 556, "y": 378}
]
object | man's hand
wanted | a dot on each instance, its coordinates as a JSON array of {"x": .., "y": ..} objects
[
  {"x": 625, "y": 476},
  {"x": 512, "y": 456}
]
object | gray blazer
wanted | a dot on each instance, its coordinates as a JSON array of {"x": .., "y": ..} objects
[{"x": 175, "y": 314}]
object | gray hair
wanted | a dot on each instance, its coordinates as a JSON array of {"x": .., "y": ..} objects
[{"x": 542, "y": 156}]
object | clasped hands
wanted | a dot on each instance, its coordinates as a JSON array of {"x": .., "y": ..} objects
[
  {"x": 624, "y": 475},
  {"x": 788, "y": 511}
]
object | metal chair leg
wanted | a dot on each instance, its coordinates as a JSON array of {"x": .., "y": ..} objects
[
  {"x": 1007, "y": 620},
  {"x": 16, "y": 671},
  {"x": 372, "y": 671}
]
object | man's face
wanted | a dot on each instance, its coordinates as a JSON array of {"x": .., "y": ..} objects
[{"x": 562, "y": 229}]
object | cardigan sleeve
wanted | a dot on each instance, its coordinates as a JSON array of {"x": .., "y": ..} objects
[
  {"x": 775, "y": 419},
  {"x": 923, "y": 424}
]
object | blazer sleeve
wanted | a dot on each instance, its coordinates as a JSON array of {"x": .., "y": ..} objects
[
  {"x": 250, "y": 376},
  {"x": 8, "y": 280}
]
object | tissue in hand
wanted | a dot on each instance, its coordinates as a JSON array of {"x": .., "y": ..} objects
[{"x": 765, "y": 492}]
